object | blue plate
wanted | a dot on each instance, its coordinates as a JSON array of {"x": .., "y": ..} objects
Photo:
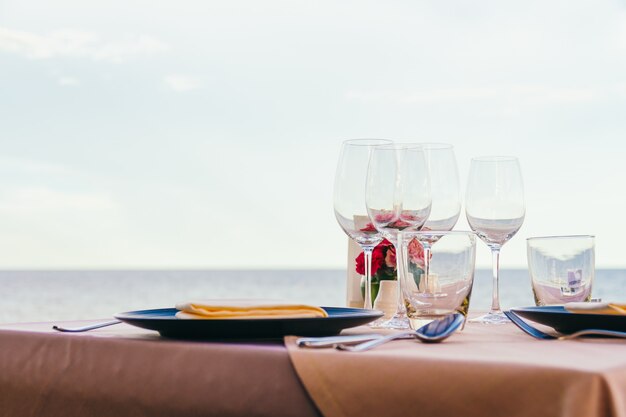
[
  {"x": 164, "y": 321},
  {"x": 565, "y": 322}
]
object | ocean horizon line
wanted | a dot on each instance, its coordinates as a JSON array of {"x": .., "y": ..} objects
[{"x": 227, "y": 269}]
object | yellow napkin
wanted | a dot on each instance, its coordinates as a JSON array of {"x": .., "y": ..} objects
[
  {"x": 596, "y": 308},
  {"x": 245, "y": 309}
]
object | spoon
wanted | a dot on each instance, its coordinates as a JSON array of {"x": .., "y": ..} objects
[{"x": 434, "y": 332}]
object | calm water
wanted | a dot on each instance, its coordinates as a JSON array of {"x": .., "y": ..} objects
[{"x": 73, "y": 295}]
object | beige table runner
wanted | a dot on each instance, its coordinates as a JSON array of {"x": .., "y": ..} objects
[{"x": 482, "y": 371}]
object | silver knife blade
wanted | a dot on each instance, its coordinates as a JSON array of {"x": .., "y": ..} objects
[{"x": 330, "y": 341}]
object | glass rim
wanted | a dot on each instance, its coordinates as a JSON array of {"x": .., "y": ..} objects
[
  {"x": 367, "y": 142},
  {"x": 495, "y": 158},
  {"x": 556, "y": 237},
  {"x": 440, "y": 232},
  {"x": 399, "y": 146},
  {"x": 436, "y": 145}
]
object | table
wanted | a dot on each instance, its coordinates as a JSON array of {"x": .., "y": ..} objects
[
  {"x": 125, "y": 371},
  {"x": 486, "y": 370},
  {"x": 483, "y": 371}
]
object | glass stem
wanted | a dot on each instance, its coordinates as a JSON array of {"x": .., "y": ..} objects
[
  {"x": 495, "y": 297},
  {"x": 427, "y": 285},
  {"x": 400, "y": 265},
  {"x": 367, "y": 298},
  {"x": 405, "y": 263}
]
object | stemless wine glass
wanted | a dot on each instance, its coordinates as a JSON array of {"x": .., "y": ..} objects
[
  {"x": 451, "y": 278},
  {"x": 494, "y": 206},
  {"x": 349, "y": 201},
  {"x": 445, "y": 196},
  {"x": 398, "y": 200}
]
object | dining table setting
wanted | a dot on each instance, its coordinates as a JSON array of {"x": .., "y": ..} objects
[{"x": 412, "y": 346}]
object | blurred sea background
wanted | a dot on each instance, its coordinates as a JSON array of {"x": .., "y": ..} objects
[{"x": 33, "y": 296}]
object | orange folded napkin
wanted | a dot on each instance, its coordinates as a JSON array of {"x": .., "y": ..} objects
[
  {"x": 597, "y": 308},
  {"x": 245, "y": 309}
]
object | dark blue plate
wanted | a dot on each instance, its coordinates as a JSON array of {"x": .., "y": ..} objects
[
  {"x": 565, "y": 322},
  {"x": 163, "y": 320}
]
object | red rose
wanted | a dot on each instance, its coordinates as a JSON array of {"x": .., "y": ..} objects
[
  {"x": 385, "y": 243},
  {"x": 360, "y": 264},
  {"x": 384, "y": 216},
  {"x": 368, "y": 228},
  {"x": 378, "y": 258},
  {"x": 400, "y": 224},
  {"x": 390, "y": 257}
]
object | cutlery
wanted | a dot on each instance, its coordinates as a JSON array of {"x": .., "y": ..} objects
[
  {"x": 434, "y": 332},
  {"x": 330, "y": 341},
  {"x": 85, "y": 328},
  {"x": 536, "y": 333}
]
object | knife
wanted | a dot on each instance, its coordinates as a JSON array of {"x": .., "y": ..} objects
[{"x": 330, "y": 341}]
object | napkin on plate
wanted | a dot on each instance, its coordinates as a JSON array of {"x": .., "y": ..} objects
[
  {"x": 597, "y": 308},
  {"x": 245, "y": 309}
]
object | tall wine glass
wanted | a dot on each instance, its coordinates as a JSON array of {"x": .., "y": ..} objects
[
  {"x": 446, "y": 200},
  {"x": 494, "y": 205},
  {"x": 349, "y": 201},
  {"x": 398, "y": 200}
]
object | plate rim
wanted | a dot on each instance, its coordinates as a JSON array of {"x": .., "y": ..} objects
[
  {"x": 562, "y": 311},
  {"x": 567, "y": 322},
  {"x": 362, "y": 313}
]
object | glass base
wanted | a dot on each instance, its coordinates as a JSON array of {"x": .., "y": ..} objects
[
  {"x": 397, "y": 322},
  {"x": 417, "y": 323},
  {"x": 377, "y": 324},
  {"x": 493, "y": 317}
]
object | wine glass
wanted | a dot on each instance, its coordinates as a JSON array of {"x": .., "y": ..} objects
[
  {"x": 446, "y": 200},
  {"x": 398, "y": 199},
  {"x": 494, "y": 206},
  {"x": 349, "y": 201}
]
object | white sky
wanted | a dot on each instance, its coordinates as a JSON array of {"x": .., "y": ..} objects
[{"x": 205, "y": 134}]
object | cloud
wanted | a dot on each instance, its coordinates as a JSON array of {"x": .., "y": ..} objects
[
  {"x": 141, "y": 45},
  {"x": 527, "y": 95},
  {"x": 76, "y": 44},
  {"x": 68, "y": 81},
  {"x": 181, "y": 83},
  {"x": 46, "y": 200},
  {"x": 16, "y": 165},
  {"x": 423, "y": 96},
  {"x": 37, "y": 198},
  {"x": 622, "y": 29}
]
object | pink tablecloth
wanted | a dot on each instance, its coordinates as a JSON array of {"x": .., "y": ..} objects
[
  {"x": 125, "y": 371},
  {"x": 482, "y": 371}
]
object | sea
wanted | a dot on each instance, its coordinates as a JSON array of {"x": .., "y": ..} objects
[{"x": 35, "y": 296}]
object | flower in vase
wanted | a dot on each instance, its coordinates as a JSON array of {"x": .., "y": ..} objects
[
  {"x": 416, "y": 253},
  {"x": 390, "y": 257},
  {"x": 378, "y": 260},
  {"x": 384, "y": 264}
]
